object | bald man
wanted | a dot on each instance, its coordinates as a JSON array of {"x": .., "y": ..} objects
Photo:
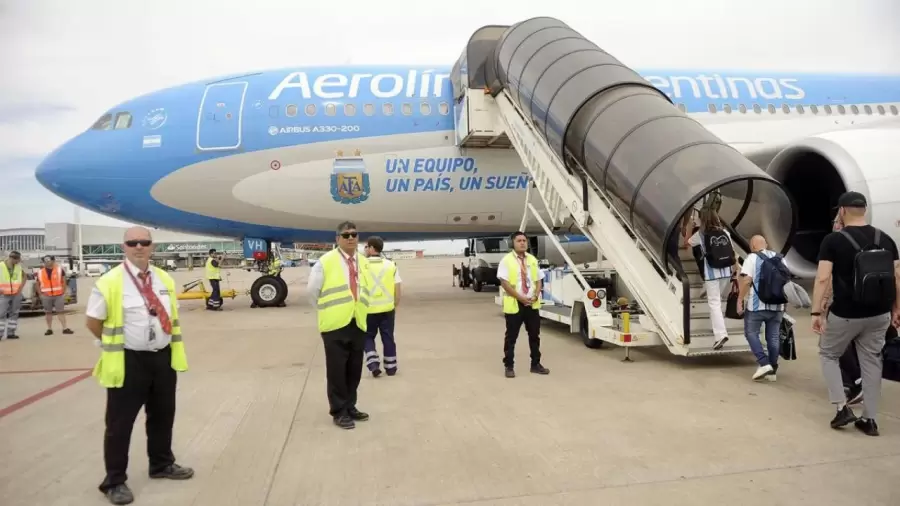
[
  {"x": 756, "y": 312},
  {"x": 133, "y": 311}
]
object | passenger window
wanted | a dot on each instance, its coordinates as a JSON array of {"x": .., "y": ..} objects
[
  {"x": 273, "y": 111},
  {"x": 786, "y": 108},
  {"x": 425, "y": 109},
  {"x": 406, "y": 108},
  {"x": 444, "y": 108},
  {"x": 727, "y": 109},
  {"x": 369, "y": 109},
  {"x": 387, "y": 109},
  {"x": 800, "y": 109},
  {"x": 104, "y": 123},
  {"x": 771, "y": 109},
  {"x": 349, "y": 110},
  {"x": 711, "y": 108},
  {"x": 881, "y": 110},
  {"x": 330, "y": 109},
  {"x": 310, "y": 109},
  {"x": 757, "y": 109},
  {"x": 854, "y": 109},
  {"x": 743, "y": 109},
  {"x": 842, "y": 109},
  {"x": 894, "y": 110},
  {"x": 123, "y": 120},
  {"x": 827, "y": 109},
  {"x": 814, "y": 109},
  {"x": 868, "y": 109},
  {"x": 290, "y": 111}
]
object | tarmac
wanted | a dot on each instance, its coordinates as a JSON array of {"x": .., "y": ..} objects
[{"x": 449, "y": 428}]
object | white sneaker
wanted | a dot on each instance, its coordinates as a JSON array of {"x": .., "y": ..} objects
[{"x": 763, "y": 370}]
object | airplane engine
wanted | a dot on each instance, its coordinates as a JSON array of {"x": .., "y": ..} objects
[{"x": 818, "y": 169}]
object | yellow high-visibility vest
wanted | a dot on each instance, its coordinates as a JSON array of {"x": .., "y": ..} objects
[
  {"x": 510, "y": 304},
  {"x": 10, "y": 283},
  {"x": 110, "y": 368},
  {"x": 382, "y": 273},
  {"x": 212, "y": 272},
  {"x": 335, "y": 304}
]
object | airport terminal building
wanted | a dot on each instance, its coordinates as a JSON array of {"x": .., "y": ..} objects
[{"x": 104, "y": 244}]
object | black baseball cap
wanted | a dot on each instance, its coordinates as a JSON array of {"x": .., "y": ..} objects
[{"x": 852, "y": 199}]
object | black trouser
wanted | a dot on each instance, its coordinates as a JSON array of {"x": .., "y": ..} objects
[
  {"x": 149, "y": 382},
  {"x": 532, "y": 320},
  {"x": 343, "y": 366},
  {"x": 849, "y": 362},
  {"x": 215, "y": 298}
]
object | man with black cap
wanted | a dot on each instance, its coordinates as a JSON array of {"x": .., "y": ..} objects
[{"x": 861, "y": 265}]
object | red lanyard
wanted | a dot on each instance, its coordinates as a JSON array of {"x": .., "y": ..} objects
[{"x": 147, "y": 285}]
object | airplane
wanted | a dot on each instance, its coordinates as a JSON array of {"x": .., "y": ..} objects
[{"x": 284, "y": 155}]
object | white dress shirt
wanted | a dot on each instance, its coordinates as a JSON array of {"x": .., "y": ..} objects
[
  {"x": 503, "y": 273},
  {"x": 317, "y": 277},
  {"x": 137, "y": 319}
]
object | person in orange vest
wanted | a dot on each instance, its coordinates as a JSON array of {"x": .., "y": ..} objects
[
  {"x": 12, "y": 279},
  {"x": 52, "y": 286}
]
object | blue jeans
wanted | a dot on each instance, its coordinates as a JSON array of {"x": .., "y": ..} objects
[{"x": 753, "y": 321}]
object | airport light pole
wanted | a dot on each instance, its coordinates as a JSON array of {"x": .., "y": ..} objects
[{"x": 80, "y": 246}]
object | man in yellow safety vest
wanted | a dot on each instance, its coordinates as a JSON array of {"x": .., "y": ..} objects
[
  {"x": 339, "y": 288},
  {"x": 12, "y": 280},
  {"x": 385, "y": 298},
  {"x": 521, "y": 283},
  {"x": 133, "y": 312},
  {"x": 214, "y": 276}
]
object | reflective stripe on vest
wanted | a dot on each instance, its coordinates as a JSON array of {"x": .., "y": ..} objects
[
  {"x": 10, "y": 284},
  {"x": 335, "y": 304},
  {"x": 212, "y": 272},
  {"x": 382, "y": 272},
  {"x": 110, "y": 368},
  {"x": 511, "y": 304}
]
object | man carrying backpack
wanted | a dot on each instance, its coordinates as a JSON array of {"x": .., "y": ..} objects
[
  {"x": 762, "y": 281},
  {"x": 861, "y": 264}
]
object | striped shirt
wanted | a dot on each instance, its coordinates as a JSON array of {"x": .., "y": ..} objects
[
  {"x": 753, "y": 267},
  {"x": 710, "y": 273}
]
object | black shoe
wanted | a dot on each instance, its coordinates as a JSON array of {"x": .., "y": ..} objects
[
  {"x": 358, "y": 415},
  {"x": 391, "y": 372},
  {"x": 843, "y": 417},
  {"x": 68, "y": 331},
  {"x": 539, "y": 369},
  {"x": 174, "y": 472},
  {"x": 344, "y": 422},
  {"x": 13, "y": 336},
  {"x": 376, "y": 373},
  {"x": 120, "y": 494},
  {"x": 510, "y": 373},
  {"x": 49, "y": 332},
  {"x": 854, "y": 394},
  {"x": 867, "y": 426}
]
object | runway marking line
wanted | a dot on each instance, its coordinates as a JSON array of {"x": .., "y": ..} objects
[
  {"x": 12, "y": 408},
  {"x": 38, "y": 371}
]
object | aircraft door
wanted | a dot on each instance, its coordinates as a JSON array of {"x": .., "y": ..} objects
[{"x": 221, "y": 116}]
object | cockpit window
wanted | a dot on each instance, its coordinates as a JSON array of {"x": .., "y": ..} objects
[
  {"x": 123, "y": 120},
  {"x": 104, "y": 123}
]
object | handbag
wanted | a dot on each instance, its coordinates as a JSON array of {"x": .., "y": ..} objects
[
  {"x": 732, "y": 303},
  {"x": 788, "y": 347}
]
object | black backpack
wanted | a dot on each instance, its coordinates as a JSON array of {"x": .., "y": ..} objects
[
  {"x": 718, "y": 250},
  {"x": 873, "y": 273},
  {"x": 773, "y": 275}
]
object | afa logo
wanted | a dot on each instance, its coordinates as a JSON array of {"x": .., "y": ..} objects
[
  {"x": 155, "y": 119},
  {"x": 349, "y": 179}
]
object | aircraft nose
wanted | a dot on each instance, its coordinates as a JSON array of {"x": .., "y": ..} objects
[{"x": 49, "y": 170}]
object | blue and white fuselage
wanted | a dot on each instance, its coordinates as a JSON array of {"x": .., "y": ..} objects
[{"x": 287, "y": 154}]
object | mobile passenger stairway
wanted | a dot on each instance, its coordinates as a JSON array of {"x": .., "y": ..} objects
[{"x": 611, "y": 154}]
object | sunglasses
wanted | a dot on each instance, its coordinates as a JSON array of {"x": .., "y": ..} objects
[
  {"x": 143, "y": 242},
  {"x": 349, "y": 235}
]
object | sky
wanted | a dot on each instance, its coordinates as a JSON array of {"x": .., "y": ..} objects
[{"x": 65, "y": 62}]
